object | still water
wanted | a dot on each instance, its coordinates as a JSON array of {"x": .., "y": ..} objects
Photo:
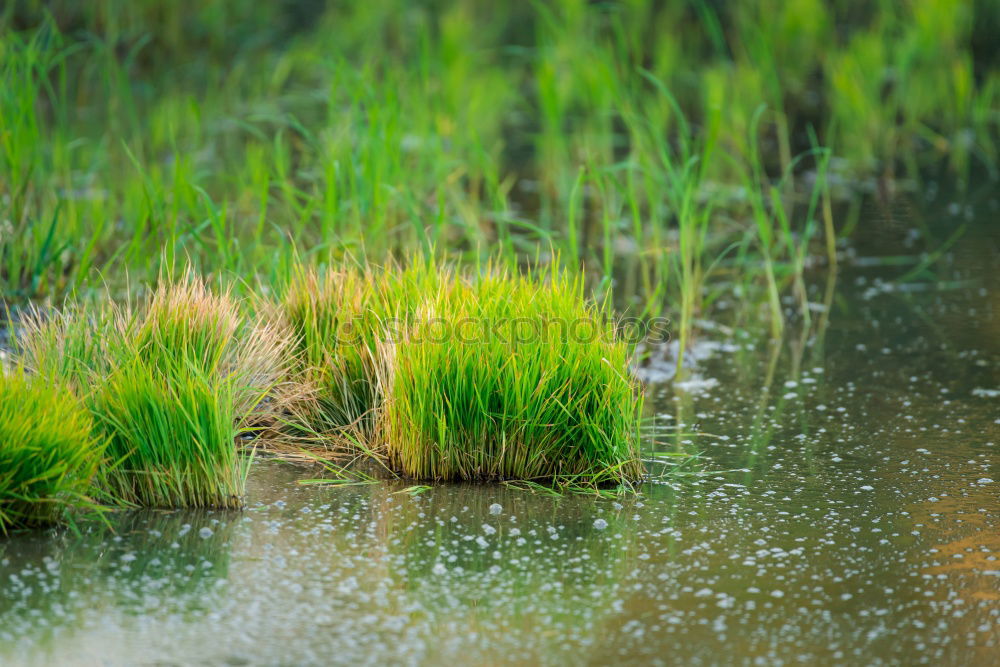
[{"x": 847, "y": 511}]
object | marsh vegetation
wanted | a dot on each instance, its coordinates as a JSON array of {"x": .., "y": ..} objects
[{"x": 369, "y": 277}]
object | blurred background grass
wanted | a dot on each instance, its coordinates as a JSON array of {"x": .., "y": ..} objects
[{"x": 692, "y": 140}]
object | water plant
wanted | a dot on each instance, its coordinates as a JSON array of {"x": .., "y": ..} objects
[
  {"x": 48, "y": 452},
  {"x": 506, "y": 376},
  {"x": 562, "y": 124},
  {"x": 171, "y": 383},
  {"x": 172, "y": 428},
  {"x": 338, "y": 318}
]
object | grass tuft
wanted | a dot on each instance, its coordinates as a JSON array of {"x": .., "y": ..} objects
[
  {"x": 48, "y": 452},
  {"x": 172, "y": 429},
  {"x": 511, "y": 377},
  {"x": 338, "y": 318},
  {"x": 171, "y": 384}
]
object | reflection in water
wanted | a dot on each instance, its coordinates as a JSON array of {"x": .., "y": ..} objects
[
  {"x": 854, "y": 519},
  {"x": 60, "y": 589}
]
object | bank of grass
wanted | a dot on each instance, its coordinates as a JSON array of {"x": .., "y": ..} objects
[
  {"x": 171, "y": 383},
  {"x": 506, "y": 376},
  {"x": 49, "y": 452},
  {"x": 667, "y": 132}
]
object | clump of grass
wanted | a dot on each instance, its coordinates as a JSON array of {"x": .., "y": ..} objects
[
  {"x": 171, "y": 385},
  {"x": 510, "y": 377},
  {"x": 48, "y": 452},
  {"x": 173, "y": 428},
  {"x": 74, "y": 345},
  {"x": 335, "y": 316},
  {"x": 338, "y": 318},
  {"x": 210, "y": 334}
]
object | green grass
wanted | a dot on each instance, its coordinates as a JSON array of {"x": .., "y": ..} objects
[
  {"x": 381, "y": 370},
  {"x": 655, "y": 138},
  {"x": 172, "y": 430},
  {"x": 48, "y": 452},
  {"x": 512, "y": 377},
  {"x": 673, "y": 152},
  {"x": 210, "y": 331},
  {"x": 174, "y": 379},
  {"x": 339, "y": 317},
  {"x": 171, "y": 383},
  {"x": 335, "y": 317},
  {"x": 76, "y": 345}
]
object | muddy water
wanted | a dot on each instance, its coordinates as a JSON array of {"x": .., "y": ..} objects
[{"x": 847, "y": 512}]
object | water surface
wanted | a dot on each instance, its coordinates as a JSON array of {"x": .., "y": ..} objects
[{"x": 848, "y": 512}]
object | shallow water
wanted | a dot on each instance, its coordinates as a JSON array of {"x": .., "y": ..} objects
[{"x": 850, "y": 514}]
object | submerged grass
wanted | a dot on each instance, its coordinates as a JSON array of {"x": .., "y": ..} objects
[
  {"x": 512, "y": 377},
  {"x": 48, "y": 452}
]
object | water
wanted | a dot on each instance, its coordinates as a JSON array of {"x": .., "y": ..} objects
[{"x": 850, "y": 514}]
